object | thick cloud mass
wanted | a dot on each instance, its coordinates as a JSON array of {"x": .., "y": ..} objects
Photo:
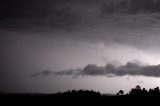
[
  {"x": 109, "y": 70},
  {"x": 61, "y": 34}
]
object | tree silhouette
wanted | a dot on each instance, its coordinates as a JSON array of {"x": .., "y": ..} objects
[
  {"x": 121, "y": 92},
  {"x": 138, "y": 87}
]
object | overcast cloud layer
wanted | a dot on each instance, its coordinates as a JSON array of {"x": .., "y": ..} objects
[{"x": 82, "y": 20}]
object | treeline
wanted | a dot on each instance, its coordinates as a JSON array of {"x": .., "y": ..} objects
[
  {"x": 137, "y": 91},
  {"x": 83, "y": 96},
  {"x": 79, "y": 93},
  {"x": 130, "y": 6}
]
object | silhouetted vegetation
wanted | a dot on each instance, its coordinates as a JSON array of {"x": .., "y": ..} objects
[
  {"x": 82, "y": 96},
  {"x": 137, "y": 91},
  {"x": 79, "y": 93},
  {"x": 120, "y": 92}
]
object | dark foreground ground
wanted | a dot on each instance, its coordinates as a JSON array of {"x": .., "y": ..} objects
[{"x": 56, "y": 100}]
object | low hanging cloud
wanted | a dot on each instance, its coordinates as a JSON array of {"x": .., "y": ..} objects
[
  {"x": 42, "y": 73},
  {"x": 132, "y": 69}
]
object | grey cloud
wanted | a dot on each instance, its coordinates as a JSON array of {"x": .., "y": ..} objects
[
  {"x": 42, "y": 73},
  {"x": 109, "y": 71},
  {"x": 130, "y": 68},
  {"x": 66, "y": 72},
  {"x": 51, "y": 72}
]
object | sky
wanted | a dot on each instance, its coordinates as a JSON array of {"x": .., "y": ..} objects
[{"x": 59, "y": 45}]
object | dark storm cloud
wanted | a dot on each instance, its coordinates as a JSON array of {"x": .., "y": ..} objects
[
  {"x": 55, "y": 13},
  {"x": 36, "y": 13},
  {"x": 39, "y": 9},
  {"x": 109, "y": 70},
  {"x": 23, "y": 9}
]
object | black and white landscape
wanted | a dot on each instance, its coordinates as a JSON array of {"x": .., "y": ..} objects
[{"x": 51, "y": 46}]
